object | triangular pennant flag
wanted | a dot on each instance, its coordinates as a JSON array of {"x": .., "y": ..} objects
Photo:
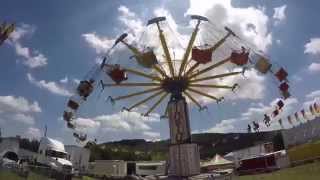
[
  {"x": 263, "y": 65},
  {"x": 316, "y": 107},
  {"x": 280, "y": 122},
  {"x": 289, "y": 120},
  {"x": 304, "y": 114},
  {"x": 281, "y": 74},
  {"x": 280, "y": 104},
  {"x": 296, "y": 115},
  {"x": 275, "y": 113},
  {"x": 311, "y": 110}
]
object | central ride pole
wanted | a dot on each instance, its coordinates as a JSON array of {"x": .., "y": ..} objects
[{"x": 184, "y": 156}]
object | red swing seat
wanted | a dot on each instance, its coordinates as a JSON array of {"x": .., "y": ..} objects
[{"x": 201, "y": 56}]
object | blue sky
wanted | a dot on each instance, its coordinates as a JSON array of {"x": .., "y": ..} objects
[{"x": 56, "y": 43}]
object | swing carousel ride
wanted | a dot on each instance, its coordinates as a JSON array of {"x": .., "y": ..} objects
[{"x": 193, "y": 72}]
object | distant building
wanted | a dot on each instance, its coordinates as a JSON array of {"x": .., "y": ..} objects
[
  {"x": 253, "y": 151},
  {"x": 146, "y": 168},
  {"x": 79, "y": 157}
]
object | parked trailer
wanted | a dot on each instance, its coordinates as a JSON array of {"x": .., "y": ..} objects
[
  {"x": 114, "y": 168},
  {"x": 257, "y": 164}
]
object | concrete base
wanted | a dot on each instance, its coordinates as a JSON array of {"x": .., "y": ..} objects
[{"x": 184, "y": 160}]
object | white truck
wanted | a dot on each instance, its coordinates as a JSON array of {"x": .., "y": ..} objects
[{"x": 52, "y": 154}]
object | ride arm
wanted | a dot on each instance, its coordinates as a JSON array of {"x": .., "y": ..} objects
[
  {"x": 188, "y": 50},
  {"x": 145, "y": 100},
  {"x": 136, "y": 94},
  {"x": 165, "y": 49},
  {"x": 210, "y": 68},
  {"x": 203, "y": 94},
  {"x": 156, "y": 104},
  {"x": 215, "y": 77}
]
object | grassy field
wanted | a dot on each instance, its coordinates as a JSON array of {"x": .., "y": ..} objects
[
  {"x": 7, "y": 175},
  {"x": 304, "y": 172}
]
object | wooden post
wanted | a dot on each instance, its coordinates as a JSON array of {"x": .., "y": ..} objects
[{"x": 184, "y": 157}]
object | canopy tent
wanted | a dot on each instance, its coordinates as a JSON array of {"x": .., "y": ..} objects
[{"x": 217, "y": 162}]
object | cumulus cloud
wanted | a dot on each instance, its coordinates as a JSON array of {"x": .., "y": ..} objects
[
  {"x": 52, "y": 87},
  {"x": 313, "y": 94},
  {"x": 249, "y": 23},
  {"x": 314, "y": 67},
  {"x": 279, "y": 14},
  {"x": 121, "y": 122},
  {"x": 18, "y": 109},
  {"x": 32, "y": 133},
  {"x": 312, "y": 47},
  {"x": 30, "y": 58},
  {"x": 100, "y": 44},
  {"x": 64, "y": 80}
]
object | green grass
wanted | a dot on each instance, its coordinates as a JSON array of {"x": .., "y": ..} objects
[
  {"x": 8, "y": 175},
  {"x": 303, "y": 172}
]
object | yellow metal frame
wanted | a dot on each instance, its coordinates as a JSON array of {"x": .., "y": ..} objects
[
  {"x": 136, "y": 94},
  {"x": 131, "y": 84},
  {"x": 210, "y": 68},
  {"x": 215, "y": 77},
  {"x": 212, "y": 86},
  {"x": 146, "y": 99},
  {"x": 139, "y": 73},
  {"x": 192, "y": 99},
  {"x": 166, "y": 50},
  {"x": 156, "y": 104},
  {"x": 188, "y": 50},
  {"x": 203, "y": 94}
]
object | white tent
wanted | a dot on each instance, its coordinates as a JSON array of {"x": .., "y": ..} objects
[{"x": 217, "y": 162}]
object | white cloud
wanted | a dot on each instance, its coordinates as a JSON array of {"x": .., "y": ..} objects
[
  {"x": 31, "y": 58},
  {"x": 101, "y": 45},
  {"x": 18, "y": 109},
  {"x": 314, "y": 67},
  {"x": 33, "y": 133},
  {"x": 278, "y": 41},
  {"x": 121, "y": 122},
  {"x": 312, "y": 47},
  {"x": 64, "y": 80},
  {"x": 52, "y": 87},
  {"x": 224, "y": 126},
  {"x": 313, "y": 94},
  {"x": 154, "y": 136},
  {"x": 18, "y": 104},
  {"x": 249, "y": 23},
  {"x": 279, "y": 14}
]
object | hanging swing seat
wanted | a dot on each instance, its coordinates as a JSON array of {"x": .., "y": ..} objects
[
  {"x": 85, "y": 88},
  {"x": 240, "y": 58},
  {"x": 117, "y": 74},
  {"x": 281, "y": 74},
  {"x": 147, "y": 59},
  {"x": 201, "y": 56},
  {"x": 263, "y": 65}
]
